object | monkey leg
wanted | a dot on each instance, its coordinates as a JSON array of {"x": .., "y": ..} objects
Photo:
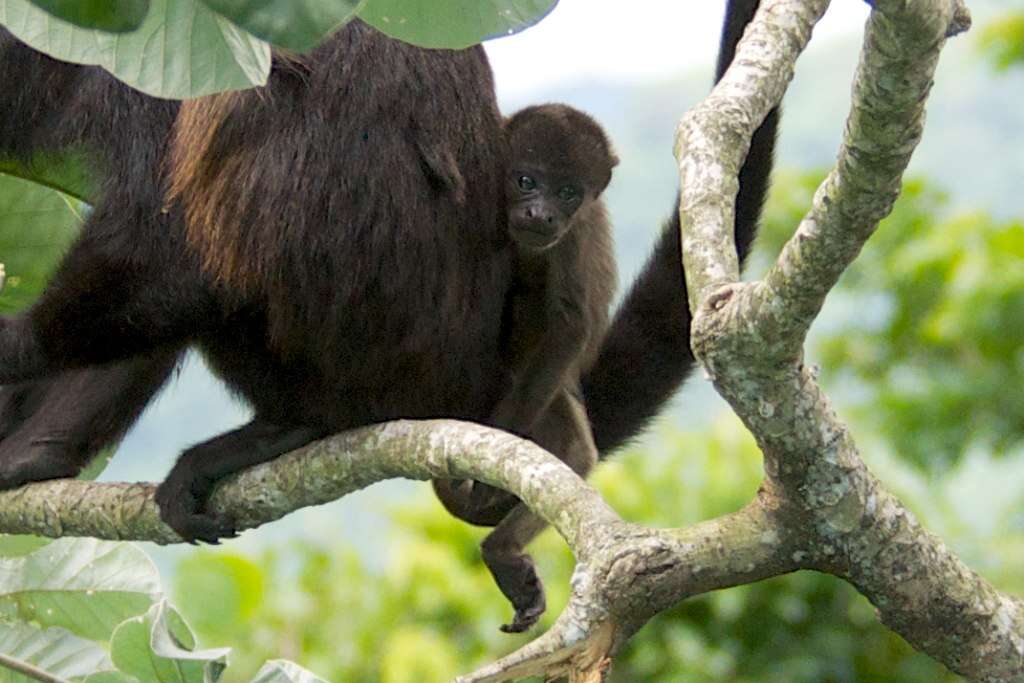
[
  {"x": 122, "y": 291},
  {"x": 18, "y": 402},
  {"x": 513, "y": 570},
  {"x": 565, "y": 431},
  {"x": 457, "y": 497},
  {"x": 52, "y": 428},
  {"x": 183, "y": 494}
]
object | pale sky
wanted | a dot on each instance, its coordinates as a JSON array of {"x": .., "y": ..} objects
[{"x": 636, "y": 40}]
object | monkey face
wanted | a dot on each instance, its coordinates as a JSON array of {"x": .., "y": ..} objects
[
  {"x": 559, "y": 162},
  {"x": 541, "y": 207}
]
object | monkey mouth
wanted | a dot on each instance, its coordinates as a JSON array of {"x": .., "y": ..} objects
[{"x": 534, "y": 238}]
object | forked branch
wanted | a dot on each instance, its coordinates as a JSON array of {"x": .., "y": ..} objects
[{"x": 750, "y": 339}]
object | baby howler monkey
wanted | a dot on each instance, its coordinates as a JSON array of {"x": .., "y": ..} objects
[{"x": 563, "y": 280}]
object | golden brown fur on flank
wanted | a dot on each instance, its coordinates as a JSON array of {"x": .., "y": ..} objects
[
  {"x": 196, "y": 179},
  {"x": 211, "y": 172}
]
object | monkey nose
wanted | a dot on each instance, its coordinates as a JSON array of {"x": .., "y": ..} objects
[{"x": 540, "y": 215}]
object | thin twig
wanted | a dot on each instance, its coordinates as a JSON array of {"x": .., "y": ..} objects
[{"x": 26, "y": 669}]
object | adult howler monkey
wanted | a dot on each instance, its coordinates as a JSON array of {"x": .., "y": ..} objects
[
  {"x": 296, "y": 234},
  {"x": 334, "y": 242},
  {"x": 559, "y": 163}
]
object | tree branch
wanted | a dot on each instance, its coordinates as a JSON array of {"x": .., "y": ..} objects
[
  {"x": 321, "y": 472},
  {"x": 29, "y": 671},
  {"x": 750, "y": 339},
  {"x": 713, "y": 138},
  {"x": 901, "y": 51}
]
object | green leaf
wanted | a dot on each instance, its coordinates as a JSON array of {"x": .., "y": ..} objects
[
  {"x": 295, "y": 24},
  {"x": 98, "y": 463},
  {"x": 115, "y": 16},
  {"x": 52, "y": 650},
  {"x": 453, "y": 23},
  {"x": 83, "y": 585},
  {"x": 19, "y": 545},
  {"x": 182, "y": 50},
  {"x": 283, "y": 671},
  {"x": 68, "y": 172},
  {"x": 110, "y": 677},
  {"x": 36, "y": 226},
  {"x": 233, "y": 582},
  {"x": 159, "y": 646}
]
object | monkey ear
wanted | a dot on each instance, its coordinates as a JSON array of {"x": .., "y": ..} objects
[{"x": 614, "y": 160}]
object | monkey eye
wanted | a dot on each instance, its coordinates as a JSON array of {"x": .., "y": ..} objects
[
  {"x": 526, "y": 183},
  {"x": 568, "y": 193}
]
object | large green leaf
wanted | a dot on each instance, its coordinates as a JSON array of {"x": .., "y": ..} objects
[
  {"x": 159, "y": 647},
  {"x": 36, "y": 226},
  {"x": 453, "y": 23},
  {"x": 83, "y": 585},
  {"x": 107, "y": 15},
  {"x": 283, "y": 671},
  {"x": 182, "y": 49},
  {"x": 68, "y": 172},
  {"x": 52, "y": 650},
  {"x": 110, "y": 677},
  {"x": 19, "y": 545},
  {"x": 294, "y": 24}
]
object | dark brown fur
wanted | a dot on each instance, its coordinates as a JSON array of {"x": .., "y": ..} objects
[
  {"x": 563, "y": 282},
  {"x": 196, "y": 179}
]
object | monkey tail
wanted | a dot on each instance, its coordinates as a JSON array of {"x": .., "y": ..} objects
[{"x": 646, "y": 354}]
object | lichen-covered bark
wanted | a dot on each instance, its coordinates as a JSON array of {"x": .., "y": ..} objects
[
  {"x": 713, "y": 138},
  {"x": 885, "y": 125},
  {"x": 750, "y": 339},
  {"x": 325, "y": 471}
]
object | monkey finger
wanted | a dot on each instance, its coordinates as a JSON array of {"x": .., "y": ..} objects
[{"x": 181, "y": 511}]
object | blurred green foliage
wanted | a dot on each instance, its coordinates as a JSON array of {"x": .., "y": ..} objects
[
  {"x": 924, "y": 337},
  {"x": 1002, "y": 41}
]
